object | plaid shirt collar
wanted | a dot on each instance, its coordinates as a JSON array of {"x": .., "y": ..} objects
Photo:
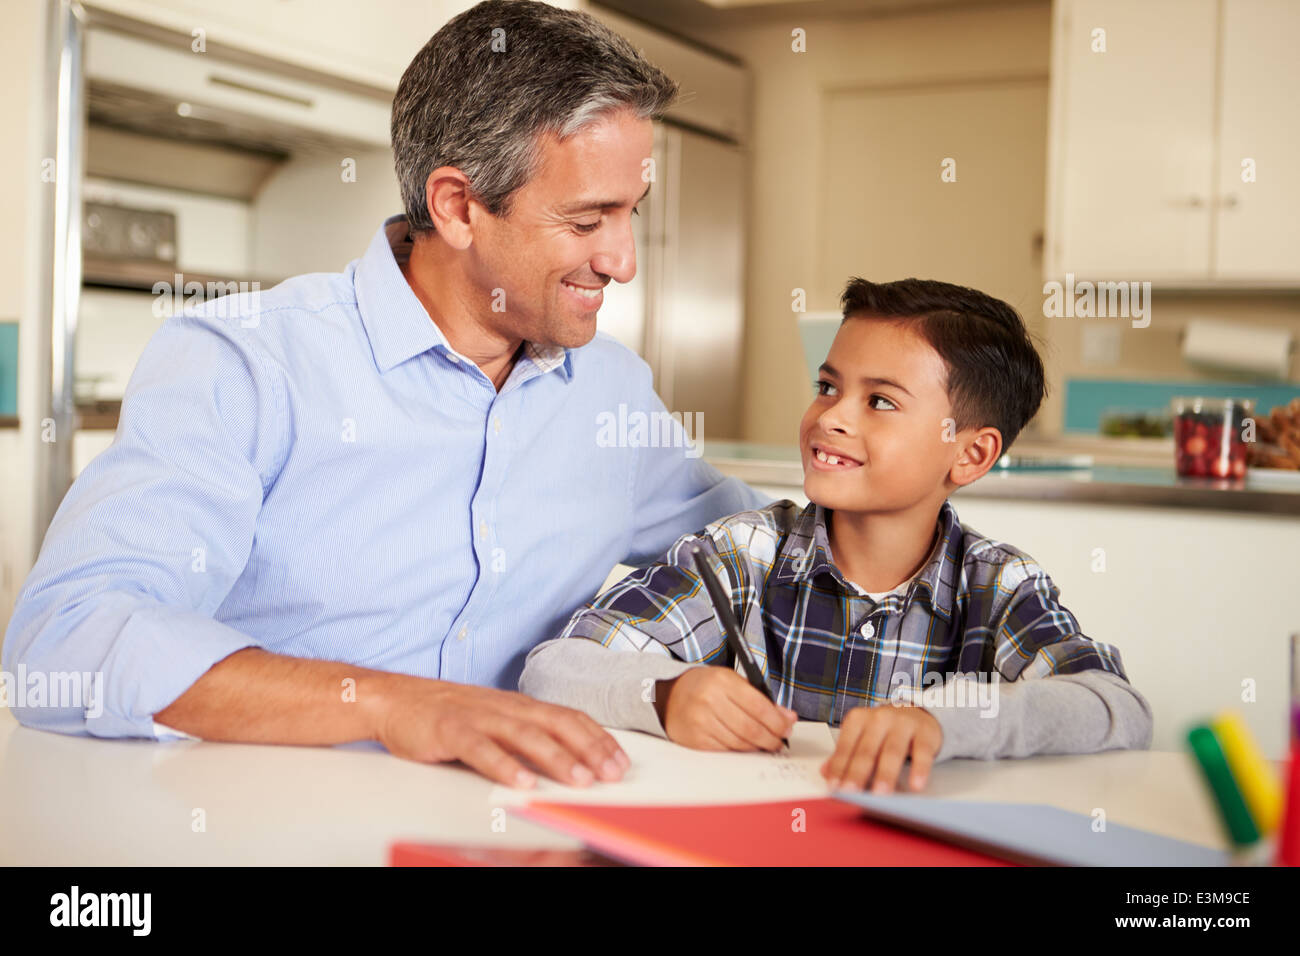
[{"x": 805, "y": 555}]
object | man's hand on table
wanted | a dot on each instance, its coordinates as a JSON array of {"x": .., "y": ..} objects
[{"x": 490, "y": 730}]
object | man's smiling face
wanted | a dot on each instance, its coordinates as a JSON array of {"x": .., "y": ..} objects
[
  {"x": 880, "y": 409},
  {"x": 567, "y": 234}
]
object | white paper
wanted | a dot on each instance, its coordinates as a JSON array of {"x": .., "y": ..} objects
[{"x": 664, "y": 773}]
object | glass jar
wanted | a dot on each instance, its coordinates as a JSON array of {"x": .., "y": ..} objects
[{"x": 1208, "y": 441}]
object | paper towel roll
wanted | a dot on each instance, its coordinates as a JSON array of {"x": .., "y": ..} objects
[{"x": 1245, "y": 348}]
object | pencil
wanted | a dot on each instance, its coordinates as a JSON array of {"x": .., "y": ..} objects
[{"x": 730, "y": 628}]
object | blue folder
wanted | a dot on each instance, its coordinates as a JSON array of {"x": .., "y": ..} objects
[{"x": 1033, "y": 832}]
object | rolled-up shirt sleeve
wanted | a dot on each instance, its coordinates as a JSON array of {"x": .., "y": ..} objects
[{"x": 149, "y": 540}]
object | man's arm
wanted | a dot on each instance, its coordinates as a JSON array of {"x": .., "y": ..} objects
[
  {"x": 154, "y": 533},
  {"x": 256, "y": 697},
  {"x": 148, "y": 543},
  {"x": 295, "y": 701},
  {"x": 676, "y": 491}
]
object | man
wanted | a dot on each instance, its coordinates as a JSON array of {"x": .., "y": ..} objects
[{"x": 347, "y": 511}]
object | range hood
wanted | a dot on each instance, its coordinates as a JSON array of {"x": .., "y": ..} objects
[{"x": 167, "y": 91}]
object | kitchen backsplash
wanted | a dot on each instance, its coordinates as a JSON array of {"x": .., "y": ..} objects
[{"x": 1086, "y": 400}]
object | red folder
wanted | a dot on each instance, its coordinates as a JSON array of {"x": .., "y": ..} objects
[
  {"x": 415, "y": 853},
  {"x": 821, "y": 832}
]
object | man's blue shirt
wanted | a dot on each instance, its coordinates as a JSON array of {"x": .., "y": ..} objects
[{"x": 314, "y": 471}]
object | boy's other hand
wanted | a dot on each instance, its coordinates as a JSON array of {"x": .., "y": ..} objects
[
  {"x": 714, "y": 708},
  {"x": 879, "y": 739}
]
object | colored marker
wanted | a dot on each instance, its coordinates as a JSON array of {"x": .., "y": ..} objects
[
  {"x": 1232, "y": 808},
  {"x": 1254, "y": 777}
]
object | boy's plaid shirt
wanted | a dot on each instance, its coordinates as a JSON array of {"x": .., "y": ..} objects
[{"x": 977, "y": 606}]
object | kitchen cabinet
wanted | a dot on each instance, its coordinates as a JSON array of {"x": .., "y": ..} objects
[
  {"x": 1156, "y": 109},
  {"x": 1259, "y": 222},
  {"x": 368, "y": 43}
]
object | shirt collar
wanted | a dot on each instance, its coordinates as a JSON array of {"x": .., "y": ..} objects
[
  {"x": 397, "y": 325},
  {"x": 806, "y": 553}
]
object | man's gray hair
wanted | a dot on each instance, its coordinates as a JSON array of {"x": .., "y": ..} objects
[{"x": 497, "y": 77}]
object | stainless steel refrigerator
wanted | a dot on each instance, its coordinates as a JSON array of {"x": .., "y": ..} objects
[{"x": 684, "y": 310}]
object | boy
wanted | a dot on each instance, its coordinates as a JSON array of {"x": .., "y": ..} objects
[{"x": 874, "y": 593}]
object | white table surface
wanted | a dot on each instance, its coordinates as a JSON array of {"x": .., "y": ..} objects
[{"x": 90, "y": 802}]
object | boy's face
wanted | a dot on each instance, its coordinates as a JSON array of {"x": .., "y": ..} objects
[{"x": 881, "y": 408}]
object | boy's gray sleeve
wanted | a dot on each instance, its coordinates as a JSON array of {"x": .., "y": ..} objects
[
  {"x": 653, "y": 625},
  {"x": 1077, "y": 713},
  {"x": 616, "y": 688}
]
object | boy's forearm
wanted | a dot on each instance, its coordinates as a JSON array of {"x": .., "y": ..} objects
[
  {"x": 619, "y": 689},
  {"x": 254, "y": 696},
  {"x": 1086, "y": 712}
]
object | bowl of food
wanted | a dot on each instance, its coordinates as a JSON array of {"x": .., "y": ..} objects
[
  {"x": 1210, "y": 436},
  {"x": 1134, "y": 423},
  {"x": 1277, "y": 439}
]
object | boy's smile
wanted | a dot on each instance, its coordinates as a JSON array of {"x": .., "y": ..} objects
[{"x": 826, "y": 457}]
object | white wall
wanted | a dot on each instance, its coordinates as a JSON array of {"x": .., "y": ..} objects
[{"x": 875, "y": 73}]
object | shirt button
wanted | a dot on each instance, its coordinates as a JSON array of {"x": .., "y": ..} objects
[
  {"x": 482, "y": 529},
  {"x": 496, "y": 425},
  {"x": 453, "y": 358},
  {"x": 461, "y": 635},
  {"x": 868, "y": 630}
]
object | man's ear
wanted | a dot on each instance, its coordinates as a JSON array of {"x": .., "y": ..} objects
[
  {"x": 979, "y": 453},
  {"x": 447, "y": 197}
]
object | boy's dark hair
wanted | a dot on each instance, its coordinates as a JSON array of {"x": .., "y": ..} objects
[{"x": 995, "y": 375}]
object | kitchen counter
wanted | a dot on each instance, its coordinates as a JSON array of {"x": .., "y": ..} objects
[{"x": 1139, "y": 473}]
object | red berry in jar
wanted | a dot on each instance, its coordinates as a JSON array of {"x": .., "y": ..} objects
[{"x": 1207, "y": 436}]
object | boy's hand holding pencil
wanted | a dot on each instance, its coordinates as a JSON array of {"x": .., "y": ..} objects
[{"x": 714, "y": 708}]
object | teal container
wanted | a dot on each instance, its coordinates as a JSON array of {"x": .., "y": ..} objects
[{"x": 8, "y": 368}]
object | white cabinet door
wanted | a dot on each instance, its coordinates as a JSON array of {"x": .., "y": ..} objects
[
  {"x": 1134, "y": 134},
  {"x": 371, "y": 41},
  {"x": 1259, "y": 222}
]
